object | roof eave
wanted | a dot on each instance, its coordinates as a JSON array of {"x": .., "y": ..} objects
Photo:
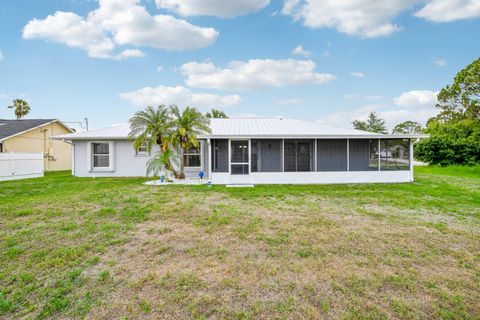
[{"x": 324, "y": 136}]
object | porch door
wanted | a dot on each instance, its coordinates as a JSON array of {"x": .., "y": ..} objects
[{"x": 239, "y": 161}]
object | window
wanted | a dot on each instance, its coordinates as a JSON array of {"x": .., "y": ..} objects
[
  {"x": 143, "y": 149},
  {"x": 239, "y": 157},
  {"x": 266, "y": 155},
  {"x": 298, "y": 155},
  {"x": 192, "y": 158},
  {"x": 101, "y": 155},
  {"x": 219, "y": 155},
  {"x": 395, "y": 154}
]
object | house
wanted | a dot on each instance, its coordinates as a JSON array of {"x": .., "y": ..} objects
[
  {"x": 259, "y": 151},
  {"x": 33, "y": 136}
]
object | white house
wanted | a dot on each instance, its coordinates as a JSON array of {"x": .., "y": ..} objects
[{"x": 258, "y": 151}]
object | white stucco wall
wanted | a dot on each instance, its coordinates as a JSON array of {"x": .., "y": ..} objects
[{"x": 126, "y": 162}]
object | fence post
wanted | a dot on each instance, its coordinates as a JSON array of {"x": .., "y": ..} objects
[{"x": 12, "y": 163}]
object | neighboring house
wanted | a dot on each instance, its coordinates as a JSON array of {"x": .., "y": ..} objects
[
  {"x": 33, "y": 136},
  {"x": 259, "y": 151}
]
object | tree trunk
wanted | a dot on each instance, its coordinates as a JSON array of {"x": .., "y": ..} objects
[{"x": 182, "y": 164}]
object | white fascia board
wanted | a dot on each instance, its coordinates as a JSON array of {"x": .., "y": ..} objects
[{"x": 373, "y": 136}]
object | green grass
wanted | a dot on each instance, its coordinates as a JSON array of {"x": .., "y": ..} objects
[{"x": 114, "y": 248}]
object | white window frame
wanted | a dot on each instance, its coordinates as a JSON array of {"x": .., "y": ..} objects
[
  {"x": 200, "y": 153},
  {"x": 145, "y": 153},
  {"x": 111, "y": 159}
]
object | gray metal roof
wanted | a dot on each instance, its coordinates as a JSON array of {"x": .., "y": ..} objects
[
  {"x": 248, "y": 128},
  {"x": 10, "y": 128}
]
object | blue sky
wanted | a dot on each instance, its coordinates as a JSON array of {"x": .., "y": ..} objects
[{"x": 72, "y": 59}]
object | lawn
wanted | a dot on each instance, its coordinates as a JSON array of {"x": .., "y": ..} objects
[{"x": 112, "y": 248}]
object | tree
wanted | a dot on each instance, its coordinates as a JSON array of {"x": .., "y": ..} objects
[
  {"x": 186, "y": 125},
  {"x": 22, "y": 108},
  {"x": 216, "y": 114},
  {"x": 407, "y": 127},
  {"x": 455, "y": 131},
  {"x": 151, "y": 126},
  {"x": 452, "y": 143},
  {"x": 373, "y": 124},
  {"x": 461, "y": 100}
]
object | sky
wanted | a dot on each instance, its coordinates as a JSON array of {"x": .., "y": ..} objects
[{"x": 326, "y": 61}]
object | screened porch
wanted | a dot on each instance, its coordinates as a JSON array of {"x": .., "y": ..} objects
[{"x": 250, "y": 156}]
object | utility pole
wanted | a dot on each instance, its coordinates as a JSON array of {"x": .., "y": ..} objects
[{"x": 86, "y": 123}]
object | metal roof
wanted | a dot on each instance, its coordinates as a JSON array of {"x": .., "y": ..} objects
[
  {"x": 248, "y": 128},
  {"x": 9, "y": 128}
]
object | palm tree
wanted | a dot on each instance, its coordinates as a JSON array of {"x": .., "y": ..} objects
[
  {"x": 187, "y": 124},
  {"x": 150, "y": 126},
  {"x": 161, "y": 162},
  {"x": 216, "y": 114},
  {"x": 22, "y": 108}
]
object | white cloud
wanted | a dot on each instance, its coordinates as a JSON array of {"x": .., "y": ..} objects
[
  {"x": 1, "y": 55},
  {"x": 116, "y": 23},
  {"x": 289, "y": 101},
  {"x": 218, "y": 8},
  {"x": 178, "y": 95},
  {"x": 357, "y": 74},
  {"x": 440, "y": 62},
  {"x": 129, "y": 53},
  {"x": 449, "y": 10},
  {"x": 416, "y": 99},
  {"x": 366, "y": 18},
  {"x": 253, "y": 74},
  {"x": 159, "y": 69},
  {"x": 372, "y": 18},
  {"x": 299, "y": 51}
]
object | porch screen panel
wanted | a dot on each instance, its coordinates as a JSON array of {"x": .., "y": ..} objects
[
  {"x": 332, "y": 155},
  {"x": 219, "y": 155},
  {"x": 290, "y": 156},
  {"x": 266, "y": 155},
  {"x": 359, "y": 155},
  {"x": 395, "y": 154},
  {"x": 298, "y": 155}
]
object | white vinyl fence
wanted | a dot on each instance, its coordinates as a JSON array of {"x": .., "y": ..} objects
[{"x": 20, "y": 165}]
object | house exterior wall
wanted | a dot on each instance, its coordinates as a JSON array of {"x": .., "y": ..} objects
[
  {"x": 57, "y": 154},
  {"x": 126, "y": 162}
]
